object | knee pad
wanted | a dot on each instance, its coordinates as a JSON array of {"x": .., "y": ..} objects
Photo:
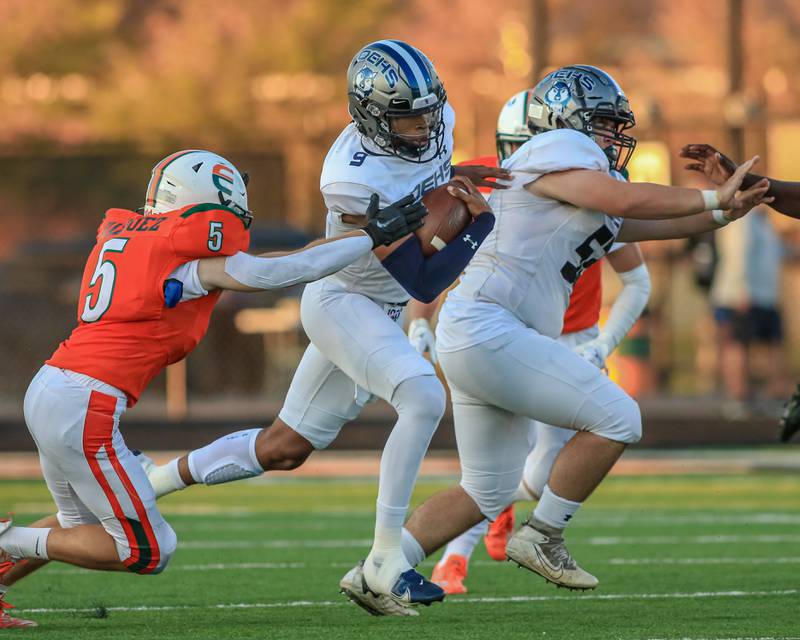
[
  {"x": 623, "y": 424},
  {"x": 165, "y": 544},
  {"x": 232, "y": 457},
  {"x": 423, "y": 397},
  {"x": 492, "y": 493},
  {"x": 632, "y": 416}
]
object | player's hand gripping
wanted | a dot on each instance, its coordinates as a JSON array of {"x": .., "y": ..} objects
[
  {"x": 479, "y": 175},
  {"x": 393, "y": 221},
  {"x": 468, "y": 193},
  {"x": 714, "y": 165}
]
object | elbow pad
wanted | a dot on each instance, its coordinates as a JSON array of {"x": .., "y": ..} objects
[
  {"x": 425, "y": 278},
  {"x": 301, "y": 266}
]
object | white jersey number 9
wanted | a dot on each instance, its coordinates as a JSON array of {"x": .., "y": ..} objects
[{"x": 106, "y": 270}]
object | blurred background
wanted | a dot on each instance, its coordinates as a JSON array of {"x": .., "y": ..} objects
[{"x": 94, "y": 92}]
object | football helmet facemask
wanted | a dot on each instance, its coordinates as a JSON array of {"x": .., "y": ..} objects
[
  {"x": 390, "y": 79},
  {"x": 589, "y": 100},
  {"x": 196, "y": 177}
]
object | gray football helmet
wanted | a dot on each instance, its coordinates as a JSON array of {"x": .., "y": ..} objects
[
  {"x": 573, "y": 97},
  {"x": 390, "y": 79}
]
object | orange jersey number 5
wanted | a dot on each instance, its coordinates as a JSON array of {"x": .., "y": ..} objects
[{"x": 96, "y": 304}]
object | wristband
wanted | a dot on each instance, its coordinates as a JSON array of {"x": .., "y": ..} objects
[
  {"x": 710, "y": 199},
  {"x": 719, "y": 217}
]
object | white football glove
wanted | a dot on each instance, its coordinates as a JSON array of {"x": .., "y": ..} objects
[
  {"x": 595, "y": 352},
  {"x": 421, "y": 337}
]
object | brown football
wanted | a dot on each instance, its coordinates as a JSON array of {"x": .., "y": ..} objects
[{"x": 448, "y": 216}]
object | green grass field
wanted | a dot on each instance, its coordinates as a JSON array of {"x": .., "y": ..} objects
[{"x": 677, "y": 557}]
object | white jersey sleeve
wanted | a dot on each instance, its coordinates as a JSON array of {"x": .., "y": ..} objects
[
  {"x": 347, "y": 197},
  {"x": 559, "y": 150}
]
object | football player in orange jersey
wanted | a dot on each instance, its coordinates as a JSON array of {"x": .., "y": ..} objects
[
  {"x": 146, "y": 297},
  {"x": 580, "y": 332}
]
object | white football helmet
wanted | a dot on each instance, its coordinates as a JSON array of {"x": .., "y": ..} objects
[
  {"x": 196, "y": 177},
  {"x": 512, "y": 125}
]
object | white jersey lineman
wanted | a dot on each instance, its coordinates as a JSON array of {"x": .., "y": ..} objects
[{"x": 496, "y": 330}]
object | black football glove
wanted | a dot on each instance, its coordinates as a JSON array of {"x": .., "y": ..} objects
[
  {"x": 395, "y": 221},
  {"x": 790, "y": 418}
]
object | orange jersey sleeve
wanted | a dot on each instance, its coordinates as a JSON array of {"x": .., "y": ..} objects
[{"x": 209, "y": 230}]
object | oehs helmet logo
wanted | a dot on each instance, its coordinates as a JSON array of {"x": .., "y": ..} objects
[
  {"x": 364, "y": 82},
  {"x": 557, "y": 96}
]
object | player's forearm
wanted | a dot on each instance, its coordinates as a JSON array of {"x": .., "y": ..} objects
[
  {"x": 645, "y": 201},
  {"x": 786, "y": 194},
  {"x": 313, "y": 243},
  {"x": 243, "y": 272},
  {"x": 628, "y": 305},
  {"x": 639, "y": 230},
  {"x": 600, "y": 192}
]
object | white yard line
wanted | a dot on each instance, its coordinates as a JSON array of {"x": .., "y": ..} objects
[
  {"x": 701, "y": 561},
  {"x": 466, "y": 600},
  {"x": 736, "y": 638},
  {"x": 260, "y": 566},
  {"x": 275, "y": 544},
  {"x": 593, "y": 541}
]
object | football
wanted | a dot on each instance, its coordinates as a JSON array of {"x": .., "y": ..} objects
[{"x": 448, "y": 216}]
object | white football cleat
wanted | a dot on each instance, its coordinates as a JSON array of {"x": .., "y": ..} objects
[
  {"x": 544, "y": 552},
  {"x": 355, "y": 588}
]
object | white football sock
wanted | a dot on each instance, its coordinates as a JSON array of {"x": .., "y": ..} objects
[
  {"x": 232, "y": 457},
  {"x": 166, "y": 478},
  {"x": 412, "y": 549},
  {"x": 464, "y": 544},
  {"x": 419, "y": 403},
  {"x": 553, "y": 510},
  {"x": 25, "y": 542}
]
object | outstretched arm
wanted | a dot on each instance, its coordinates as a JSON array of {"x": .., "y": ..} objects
[
  {"x": 718, "y": 167},
  {"x": 243, "y": 272},
  {"x": 639, "y": 230},
  {"x": 599, "y": 191}
]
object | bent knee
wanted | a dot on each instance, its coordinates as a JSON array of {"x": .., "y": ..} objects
[
  {"x": 491, "y": 500},
  {"x": 152, "y": 555},
  {"x": 280, "y": 448},
  {"x": 624, "y": 423},
  {"x": 423, "y": 397}
]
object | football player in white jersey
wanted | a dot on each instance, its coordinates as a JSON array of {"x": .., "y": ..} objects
[
  {"x": 400, "y": 142},
  {"x": 497, "y": 329},
  {"x": 580, "y": 332}
]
